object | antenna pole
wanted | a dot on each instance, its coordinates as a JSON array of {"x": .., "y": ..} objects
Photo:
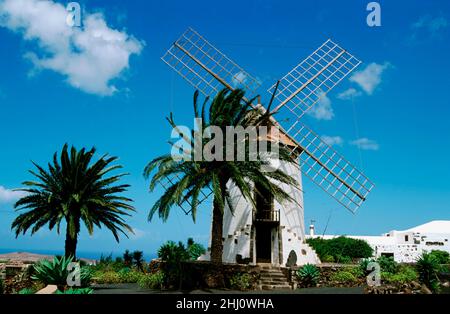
[{"x": 273, "y": 95}]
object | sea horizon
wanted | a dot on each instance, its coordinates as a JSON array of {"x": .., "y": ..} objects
[{"x": 93, "y": 255}]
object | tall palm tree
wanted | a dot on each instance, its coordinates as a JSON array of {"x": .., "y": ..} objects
[
  {"x": 74, "y": 190},
  {"x": 228, "y": 108}
]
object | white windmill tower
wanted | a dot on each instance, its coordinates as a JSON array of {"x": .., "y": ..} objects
[{"x": 275, "y": 233}]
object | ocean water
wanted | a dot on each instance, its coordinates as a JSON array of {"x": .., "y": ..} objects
[{"x": 80, "y": 254}]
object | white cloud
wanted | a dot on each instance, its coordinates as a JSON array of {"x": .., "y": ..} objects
[
  {"x": 333, "y": 140},
  {"x": 138, "y": 234},
  {"x": 366, "y": 144},
  {"x": 323, "y": 109},
  {"x": 432, "y": 25},
  {"x": 349, "y": 94},
  {"x": 7, "y": 195},
  {"x": 90, "y": 58},
  {"x": 371, "y": 77}
]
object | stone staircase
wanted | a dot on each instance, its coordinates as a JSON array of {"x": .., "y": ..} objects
[{"x": 272, "y": 278}]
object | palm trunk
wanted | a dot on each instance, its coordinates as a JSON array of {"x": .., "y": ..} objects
[
  {"x": 216, "y": 235},
  {"x": 71, "y": 245},
  {"x": 217, "y": 227},
  {"x": 71, "y": 241}
]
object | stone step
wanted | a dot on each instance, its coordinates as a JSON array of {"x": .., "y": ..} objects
[
  {"x": 276, "y": 287},
  {"x": 273, "y": 278},
  {"x": 269, "y": 268},
  {"x": 274, "y": 283},
  {"x": 271, "y": 272}
]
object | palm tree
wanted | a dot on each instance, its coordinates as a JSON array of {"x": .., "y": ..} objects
[
  {"x": 228, "y": 108},
  {"x": 74, "y": 190}
]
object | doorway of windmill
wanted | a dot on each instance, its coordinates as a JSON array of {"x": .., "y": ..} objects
[{"x": 263, "y": 243}]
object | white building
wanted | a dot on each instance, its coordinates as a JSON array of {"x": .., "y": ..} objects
[{"x": 408, "y": 245}]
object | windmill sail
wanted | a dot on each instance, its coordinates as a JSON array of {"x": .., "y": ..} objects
[
  {"x": 329, "y": 170},
  {"x": 297, "y": 93},
  {"x": 172, "y": 179},
  {"x": 209, "y": 71},
  {"x": 313, "y": 78},
  {"x": 206, "y": 68}
]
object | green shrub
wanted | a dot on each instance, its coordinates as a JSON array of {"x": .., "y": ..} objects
[
  {"x": 27, "y": 291},
  {"x": 55, "y": 272},
  {"x": 343, "y": 277},
  {"x": 107, "y": 263},
  {"x": 241, "y": 281},
  {"x": 195, "y": 250},
  {"x": 2, "y": 286},
  {"x": 355, "y": 271},
  {"x": 327, "y": 259},
  {"x": 442, "y": 257},
  {"x": 405, "y": 274},
  {"x": 342, "y": 247},
  {"x": 343, "y": 259},
  {"x": 173, "y": 256},
  {"x": 363, "y": 264},
  {"x": 127, "y": 275},
  {"x": 428, "y": 268},
  {"x": 152, "y": 281},
  {"x": 387, "y": 264},
  {"x": 76, "y": 291},
  {"x": 308, "y": 275},
  {"x": 108, "y": 277}
]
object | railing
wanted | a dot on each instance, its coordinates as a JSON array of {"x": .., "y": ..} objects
[{"x": 267, "y": 216}]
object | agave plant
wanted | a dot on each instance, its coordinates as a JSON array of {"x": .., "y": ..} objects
[
  {"x": 27, "y": 291},
  {"x": 56, "y": 272},
  {"x": 308, "y": 275},
  {"x": 76, "y": 291},
  {"x": 428, "y": 268}
]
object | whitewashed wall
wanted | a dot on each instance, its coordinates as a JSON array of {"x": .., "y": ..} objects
[
  {"x": 405, "y": 251},
  {"x": 238, "y": 225}
]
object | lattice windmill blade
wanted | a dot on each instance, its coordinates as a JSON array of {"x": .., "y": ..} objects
[
  {"x": 209, "y": 71},
  {"x": 313, "y": 78},
  {"x": 206, "y": 68},
  {"x": 172, "y": 179},
  {"x": 328, "y": 169}
]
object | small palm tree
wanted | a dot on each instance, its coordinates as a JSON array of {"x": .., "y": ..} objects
[
  {"x": 127, "y": 258},
  {"x": 228, "y": 109},
  {"x": 428, "y": 268},
  {"x": 138, "y": 258},
  {"x": 74, "y": 190}
]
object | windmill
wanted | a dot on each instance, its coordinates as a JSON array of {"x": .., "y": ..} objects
[{"x": 271, "y": 237}]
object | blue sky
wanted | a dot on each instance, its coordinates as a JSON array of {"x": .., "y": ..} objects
[{"x": 395, "y": 129}]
